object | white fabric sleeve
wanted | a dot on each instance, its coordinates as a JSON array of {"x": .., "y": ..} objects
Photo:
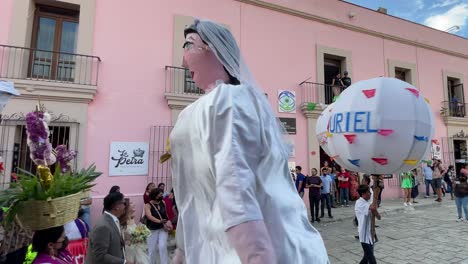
[
  {"x": 252, "y": 243},
  {"x": 236, "y": 147}
]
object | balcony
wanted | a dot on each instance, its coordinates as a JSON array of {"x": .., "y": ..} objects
[
  {"x": 315, "y": 97},
  {"x": 454, "y": 113},
  {"x": 180, "y": 89},
  {"x": 50, "y": 73},
  {"x": 318, "y": 93}
]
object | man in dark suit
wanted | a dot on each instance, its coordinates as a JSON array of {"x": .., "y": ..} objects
[{"x": 106, "y": 245}]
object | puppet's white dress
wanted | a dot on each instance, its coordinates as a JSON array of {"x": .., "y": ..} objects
[{"x": 227, "y": 170}]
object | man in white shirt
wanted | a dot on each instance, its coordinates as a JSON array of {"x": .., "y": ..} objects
[
  {"x": 106, "y": 243},
  {"x": 364, "y": 211}
]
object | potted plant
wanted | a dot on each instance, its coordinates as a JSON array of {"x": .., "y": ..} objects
[{"x": 43, "y": 200}]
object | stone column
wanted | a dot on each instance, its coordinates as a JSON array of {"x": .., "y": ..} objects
[{"x": 313, "y": 145}]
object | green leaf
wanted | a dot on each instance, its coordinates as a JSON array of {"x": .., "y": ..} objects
[
  {"x": 29, "y": 187},
  {"x": 311, "y": 106}
]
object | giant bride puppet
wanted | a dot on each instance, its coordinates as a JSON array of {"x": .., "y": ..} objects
[{"x": 236, "y": 200}]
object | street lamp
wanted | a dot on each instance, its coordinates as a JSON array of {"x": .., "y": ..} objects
[
  {"x": 452, "y": 29},
  {"x": 7, "y": 90}
]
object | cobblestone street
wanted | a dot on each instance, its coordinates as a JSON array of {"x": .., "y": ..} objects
[{"x": 426, "y": 233}]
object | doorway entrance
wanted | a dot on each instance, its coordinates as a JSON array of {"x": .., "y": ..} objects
[{"x": 332, "y": 66}]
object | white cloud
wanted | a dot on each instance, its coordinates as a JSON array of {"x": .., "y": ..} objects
[
  {"x": 456, "y": 16},
  {"x": 419, "y": 4},
  {"x": 445, "y": 3}
]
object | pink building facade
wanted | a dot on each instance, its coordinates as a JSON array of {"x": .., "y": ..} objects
[{"x": 110, "y": 71}]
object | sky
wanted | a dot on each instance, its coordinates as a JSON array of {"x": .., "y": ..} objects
[{"x": 438, "y": 14}]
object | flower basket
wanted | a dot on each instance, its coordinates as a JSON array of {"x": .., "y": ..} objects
[
  {"x": 44, "y": 200},
  {"x": 37, "y": 215}
]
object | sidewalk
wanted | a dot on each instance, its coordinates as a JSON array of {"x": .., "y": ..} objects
[{"x": 387, "y": 207}]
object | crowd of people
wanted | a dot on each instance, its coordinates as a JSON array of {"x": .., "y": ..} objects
[
  {"x": 444, "y": 181},
  {"x": 115, "y": 237},
  {"x": 110, "y": 239},
  {"x": 330, "y": 189}
]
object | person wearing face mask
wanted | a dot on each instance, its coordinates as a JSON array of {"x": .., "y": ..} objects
[
  {"x": 157, "y": 222},
  {"x": 50, "y": 245},
  {"x": 230, "y": 161},
  {"x": 461, "y": 196}
]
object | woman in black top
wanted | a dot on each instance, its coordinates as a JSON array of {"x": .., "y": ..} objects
[{"x": 156, "y": 215}]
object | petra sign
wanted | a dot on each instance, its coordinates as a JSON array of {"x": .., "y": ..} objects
[{"x": 128, "y": 158}]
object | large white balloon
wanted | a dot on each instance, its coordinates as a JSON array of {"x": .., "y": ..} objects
[
  {"x": 321, "y": 129},
  {"x": 378, "y": 126}
]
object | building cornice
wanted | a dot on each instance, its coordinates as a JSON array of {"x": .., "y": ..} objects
[
  {"x": 456, "y": 121},
  {"x": 54, "y": 91},
  {"x": 180, "y": 101},
  {"x": 309, "y": 16}
]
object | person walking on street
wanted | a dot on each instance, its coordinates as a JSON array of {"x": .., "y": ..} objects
[
  {"x": 325, "y": 196},
  {"x": 449, "y": 178},
  {"x": 461, "y": 196},
  {"x": 438, "y": 171},
  {"x": 415, "y": 190},
  {"x": 364, "y": 211},
  {"x": 427, "y": 172},
  {"x": 106, "y": 244},
  {"x": 314, "y": 183},
  {"x": 300, "y": 181},
  {"x": 333, "y": 174}
]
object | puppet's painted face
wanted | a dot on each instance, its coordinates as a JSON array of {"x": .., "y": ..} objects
[{"x": 202, "y": 63}]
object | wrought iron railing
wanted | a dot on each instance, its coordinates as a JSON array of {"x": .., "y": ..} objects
[
  {"x": 453, "y": 109},
  {"x": 36, "y": 64},
  {"x": 13, "y": 143},
  {"x": 179, "y": 81},
  {"x": 160, "y": 172},
  {"x": 317, "y": 93}
]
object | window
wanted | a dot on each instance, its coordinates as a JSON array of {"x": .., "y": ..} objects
[
  {"x": 401, "y": 73},
  {"x": 54, "y": 40},
  {"x": 333, "y": 65},
  {"x": 405, "y": 71},
  {"x": 456, "y": 97},
  {"x": 21, "y": 156}
]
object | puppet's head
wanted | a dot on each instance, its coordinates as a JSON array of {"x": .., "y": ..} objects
[{"x": 211, "y": 54}]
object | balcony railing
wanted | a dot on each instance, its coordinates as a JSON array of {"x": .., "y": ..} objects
[
  {"x": 316, "y": 93},
  {"x": 453, "y": 109},
  {"x": 35, "y": 64},
  {"x": 179, "y": 81}
]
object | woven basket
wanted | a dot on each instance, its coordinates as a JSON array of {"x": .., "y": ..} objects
[{"x": 38, "y": 215}]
